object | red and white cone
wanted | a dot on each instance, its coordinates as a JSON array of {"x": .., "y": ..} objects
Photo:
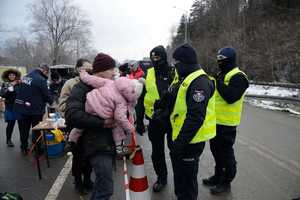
[{"x": 138, "y": 183}]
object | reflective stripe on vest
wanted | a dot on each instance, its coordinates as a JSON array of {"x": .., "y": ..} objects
[
  {"x": 151, "y": 92},
  {"x": 208, "y": 128},
  {"x": 229, "y": 114}
]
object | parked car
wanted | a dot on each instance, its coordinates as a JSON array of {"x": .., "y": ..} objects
[{"x": 65, "y": 71}]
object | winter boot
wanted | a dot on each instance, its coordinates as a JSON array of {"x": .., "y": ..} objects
[
  {"x": 9, "y": 143},
  {"x": 160, "y": 184},
  {"x": 221, "y": 188},
  {"x": 211, "y": 181},
  {"x": 79, "y": 187}
]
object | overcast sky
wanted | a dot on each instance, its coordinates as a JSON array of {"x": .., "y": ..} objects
[{"x": 125, "y": 29}]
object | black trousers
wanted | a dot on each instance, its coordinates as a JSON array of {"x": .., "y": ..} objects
[
  {"x": 81, "y": 167},
  {"x": 9, "y": 129},
  {"x": 222, "y": 149},
  {"x": 157, "y": 134},
  {"x": 185, "y": 170},
  {"x": 25, "y": 124}
]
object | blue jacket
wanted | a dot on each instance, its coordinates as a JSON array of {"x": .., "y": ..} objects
[{"x": 32, "y": 94}]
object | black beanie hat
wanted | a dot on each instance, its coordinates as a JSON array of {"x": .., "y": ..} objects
[
  {"x": 159, "y": 51},
  {"x": 103, "y": 62},
  {"x": 185, "y": 54}
]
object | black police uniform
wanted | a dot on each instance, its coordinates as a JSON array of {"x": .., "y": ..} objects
[
  {"x": 164, "y": 75},
  {"x": 222, "y": 145},
  {"x": 185, "y": 156}
]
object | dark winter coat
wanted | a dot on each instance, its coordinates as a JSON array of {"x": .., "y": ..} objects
[
  {"x": 55, "y": 89},
  {"x": 236, "y": 87},
  {"x": 95, "y": 139},
  {"x": 5, "y": 93},
  {"x": 32, "y": 94},
  {"x": 164, "y": 77},
  {"x": 196, "y": 107}
]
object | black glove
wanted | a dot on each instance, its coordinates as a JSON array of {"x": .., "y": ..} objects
[
  {"x": 220, "y": 84},
  {"x": 140, "y": 129}
]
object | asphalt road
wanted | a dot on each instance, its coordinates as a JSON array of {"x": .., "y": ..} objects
[{"x": 267, "y": 151}]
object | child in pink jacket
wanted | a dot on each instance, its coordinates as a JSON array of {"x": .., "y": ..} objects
[{"x": 111, "y": 99}]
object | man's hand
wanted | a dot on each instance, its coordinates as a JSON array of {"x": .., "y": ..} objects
[{"x": 109, "y": 123}]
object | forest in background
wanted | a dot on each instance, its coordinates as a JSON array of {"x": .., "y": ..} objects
[{"x": 265, "y": 34}]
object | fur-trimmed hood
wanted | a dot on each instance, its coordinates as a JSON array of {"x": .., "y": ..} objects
[{"x": 9, "y": 71}]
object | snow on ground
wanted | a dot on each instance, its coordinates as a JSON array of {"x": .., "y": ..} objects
[
  {"x": 273, "y": 104},
  {"x": 273, "y": 91}
]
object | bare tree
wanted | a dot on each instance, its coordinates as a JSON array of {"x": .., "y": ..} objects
[{"x": 61, "y": 23}]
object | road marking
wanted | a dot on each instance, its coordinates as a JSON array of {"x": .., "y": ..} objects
[
  {"x": 60, "y": 180},
  {"x": 267, "y": 153}
]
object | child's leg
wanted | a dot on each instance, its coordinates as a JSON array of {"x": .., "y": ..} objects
[{"x": 118, "y": 134}]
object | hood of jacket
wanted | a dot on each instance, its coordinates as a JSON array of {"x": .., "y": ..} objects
[{"x": 10, "y": 71}]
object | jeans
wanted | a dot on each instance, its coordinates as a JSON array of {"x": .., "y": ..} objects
[
  {"x": 103, "y": 168},
  {"x": 9, "y": 129}
]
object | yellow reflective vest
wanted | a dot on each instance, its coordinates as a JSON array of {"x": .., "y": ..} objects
[
  {"x": 151, "y": 93},
  {"x": 177, "y": 118},
  {"x": 229, "y": 114}
]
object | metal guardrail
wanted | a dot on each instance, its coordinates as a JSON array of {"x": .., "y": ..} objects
[
  {"x": 286, "y": 85},
  {"x": 292, "y": 99}
]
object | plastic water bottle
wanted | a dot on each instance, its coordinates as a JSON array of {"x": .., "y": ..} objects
[{"x": 56, "y": 117}]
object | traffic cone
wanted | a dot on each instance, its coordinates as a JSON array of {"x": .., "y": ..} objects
[{"x": 138, "y": 183}]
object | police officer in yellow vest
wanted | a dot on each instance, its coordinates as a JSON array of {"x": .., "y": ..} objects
[
  {"x": 158, "y": 79},
  {"x": 231, "y": 84},
  {"x": 192, "y": 120}
]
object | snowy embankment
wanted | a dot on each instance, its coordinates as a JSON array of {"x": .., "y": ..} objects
[{"x": 286, "y": 106}]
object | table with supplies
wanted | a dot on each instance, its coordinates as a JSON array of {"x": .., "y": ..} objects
[{"x": 44, "y": 127}]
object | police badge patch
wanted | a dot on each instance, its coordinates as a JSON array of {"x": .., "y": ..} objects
[{"x": 198, "y": 96}]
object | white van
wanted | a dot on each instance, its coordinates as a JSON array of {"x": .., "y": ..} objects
[{"x": 65, "y": 71}]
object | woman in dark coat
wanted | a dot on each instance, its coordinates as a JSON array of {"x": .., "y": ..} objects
[{"x": 11, "y": 78}]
